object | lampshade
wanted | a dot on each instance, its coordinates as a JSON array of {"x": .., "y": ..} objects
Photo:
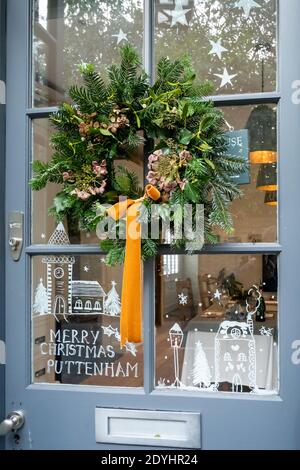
[
  {"x": 267, "y": 177},
  {"x": 271, "y": 198},
  {"x": 261, "y": 126}
]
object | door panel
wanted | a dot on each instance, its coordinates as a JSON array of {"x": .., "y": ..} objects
[
  {"x": 61, "y": 415},
  {"x": 2, "y": 247}
]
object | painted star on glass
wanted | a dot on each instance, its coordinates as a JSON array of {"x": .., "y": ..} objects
[
  {"x": 43, "y": 236},
  {"x": 182, "y": 299},
  {"x": 178, "y": 14},
  {"x": 247, "y": 5},
  {"x": 86, "y": 269},
  {"x": 217, "y": 295},
  {"x": 121, "y": 36},
  {"x": 217, "y": 48},
  {"x": 225, "y": 77}
]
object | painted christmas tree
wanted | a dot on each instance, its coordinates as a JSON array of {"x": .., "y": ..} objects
[
  {"x": 112, "y": 302},
  {"x": 40, "y": 305},
  {"x": 201, "y": 370}
]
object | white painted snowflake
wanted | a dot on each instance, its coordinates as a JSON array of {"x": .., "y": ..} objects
[
  {"x": 131, "y": 347},
  {"x": 109, "y": 330},
  {"x": 266, "y": 331},
  {"x": 217, "y": 295},
  {"x": 182, "y": 298}
]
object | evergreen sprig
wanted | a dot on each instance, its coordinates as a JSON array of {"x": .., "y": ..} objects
[{"x": 110, "y": 119}]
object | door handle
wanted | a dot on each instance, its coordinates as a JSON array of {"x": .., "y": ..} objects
[
  {"x": 15, "y": 234},
  {"x": 14, "y": 421}
]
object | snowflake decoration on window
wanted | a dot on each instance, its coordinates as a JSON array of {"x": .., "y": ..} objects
[
  {"x": 182, "y": 298},
  {"x": 217, "y": 295},
  {"x": 266, "y": 331},
  {"x": 131, "y": 347}
]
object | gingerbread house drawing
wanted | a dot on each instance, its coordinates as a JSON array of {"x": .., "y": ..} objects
[
  {"x": 59, "y": 275},
  {"x": 87, "y": 297},
  {"x": 65, "y": 295},
  {"x": 235, "y": 355}
]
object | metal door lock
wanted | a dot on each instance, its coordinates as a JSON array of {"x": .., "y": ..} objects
[
  {"x": 15, "y": 234},
  {"x": 14, "y": 242},
  {"x": 14, "y": 421}
]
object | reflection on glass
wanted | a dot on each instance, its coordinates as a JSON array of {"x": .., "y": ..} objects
[
  {"x": 253, "y": 132},
  {"x": 231, "y": 43},
  {"x": 44, "y": 224},
  {"x": 67, "y": 33},
  {"x": 216, "y": 324},
  {"x": 76, "y": 322}
]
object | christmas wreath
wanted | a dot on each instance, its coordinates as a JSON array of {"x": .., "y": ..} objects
[{"x": 110, "y": 119}]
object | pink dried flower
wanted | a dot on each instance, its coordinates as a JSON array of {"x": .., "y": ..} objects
[
  {"x": 92, "y": 191},
  {"x": 152, "y": 158},
  {"x": 185, "y": 154},
  {"x": 102, "y": 187},
  {"x": 66, "y": 175},
  {"x": 81, "y": 194},
  {"x": 182, "y": 184},
  {"x": 151, "y": 174}
]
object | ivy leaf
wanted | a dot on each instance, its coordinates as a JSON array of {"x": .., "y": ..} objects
[
  {"x": 62, "y": 201},
  {"x": 185, "y": 136},
  {"x": 204, "y": 147},
  {"x": 209, "y": 162},
  {"x": 105, "y": 132},
  {"x": 113, "y": 151},
  {"x": 191, "y": 192},
  {"x": 183, "y": 109},
  {"x": 158, "y": 121}
]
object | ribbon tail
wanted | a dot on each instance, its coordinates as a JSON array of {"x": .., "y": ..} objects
[{"x": 131, "y": 302}]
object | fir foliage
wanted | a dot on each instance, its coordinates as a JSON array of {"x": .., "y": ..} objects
[{"x": 110, "y": 118}]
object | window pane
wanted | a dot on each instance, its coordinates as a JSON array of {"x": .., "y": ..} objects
[
  {"x": 255, "y": 214},
  {"x": 44, "y": 224},
  {"x": 231, "y": 43},
  {"x": 67, "y": 33},
  {"x": 216, "y": 331},
  {"x": 76, "y": 323}
]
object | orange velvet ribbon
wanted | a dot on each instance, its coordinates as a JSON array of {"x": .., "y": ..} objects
[{"x": 131, "y": 302}]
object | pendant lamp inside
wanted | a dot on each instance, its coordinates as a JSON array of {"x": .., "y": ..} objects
[
  {"x": 262, "y": 135},
  {"x": 267, "y": 177},
  {"x": 271, "y": 198}
]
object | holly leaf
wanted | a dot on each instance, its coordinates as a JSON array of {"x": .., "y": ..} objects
[{"x": 185, "y": 136}]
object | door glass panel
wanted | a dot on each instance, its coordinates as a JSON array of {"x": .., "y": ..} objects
[
  {"x": 231, "y": 43},
  {"x": 76, "y": 322},
  {"x": 67, "y": 33},
  {"x": 44, "y": 224},
  {"x": 216, "y": 324},
  {"x": 253, "y": 136}
]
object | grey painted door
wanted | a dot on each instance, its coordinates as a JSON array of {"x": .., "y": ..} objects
[{"x": 59, "y": 403}]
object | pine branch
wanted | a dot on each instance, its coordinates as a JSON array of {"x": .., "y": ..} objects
[
  {"x": 94, "y": 84},
  {"x": 220, "y": 215},
  {"x": 83, "y": 98},
  {"x": 149, "y": 249}
]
